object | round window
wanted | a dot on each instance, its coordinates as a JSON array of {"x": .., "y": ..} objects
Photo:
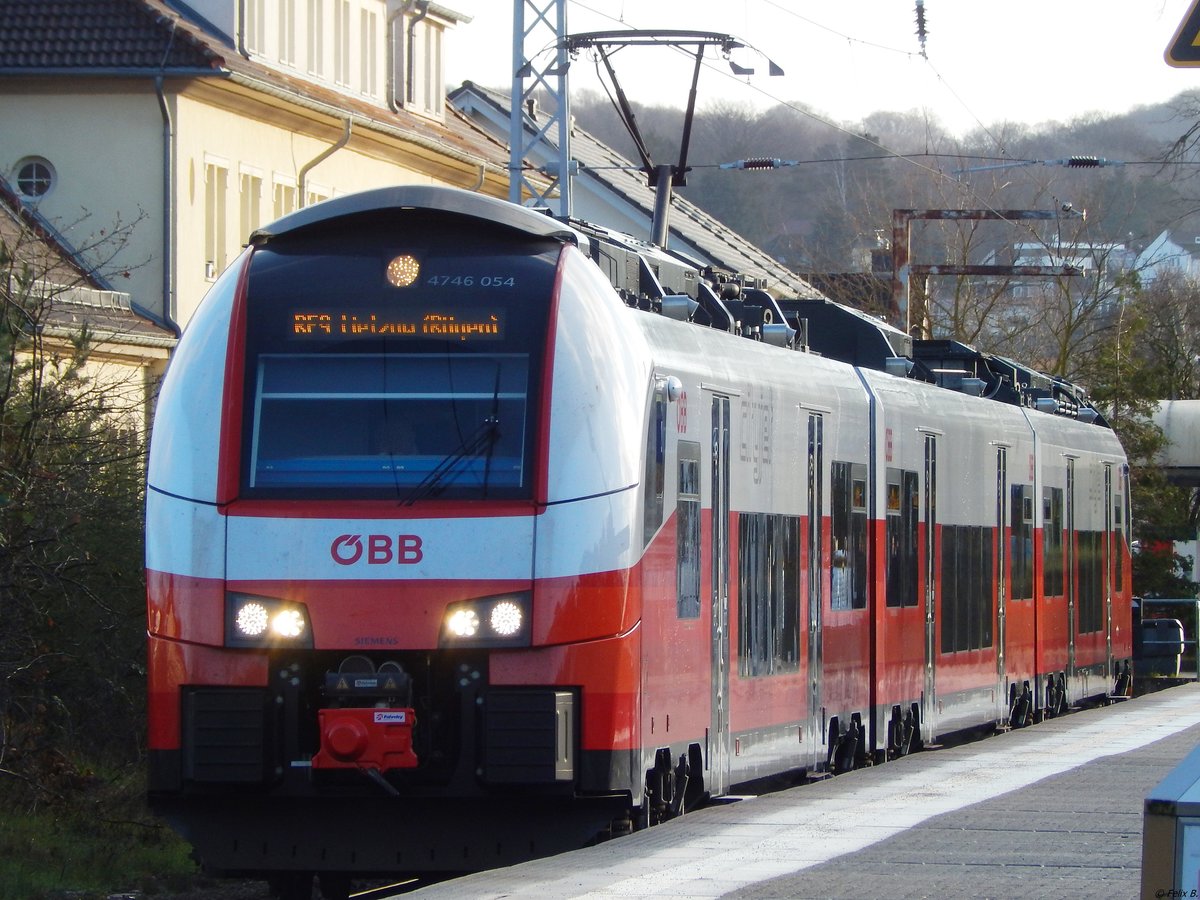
[{"x": 35, "y": 176}]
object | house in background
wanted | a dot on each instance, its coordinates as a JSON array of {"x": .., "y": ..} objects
[
  {"x": 1166, "y": 254},
  {"x": 44, "y": 279},
  {"x": 612, "y": 191},
  {"x": 196, "y": 122},
  {"x": 1096, "y": 266}
]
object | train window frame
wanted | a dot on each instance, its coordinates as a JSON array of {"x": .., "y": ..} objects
[
  {"x": 389, "y": 453},
  {"x": 848, "y": 566},
  {"x": 324, "y": 293},
  {"x": 1089, "y": 565},
  {"x": 769, "y": 578},
  {"x": 902, "y": 515},
  {"x": 1053, "y": 547},
  {"x": 655, "y": 481},
  {"x": 687, "y": 534},
  {"x": 1021, "y": 534},
  {"x": 967, "y": 595}
]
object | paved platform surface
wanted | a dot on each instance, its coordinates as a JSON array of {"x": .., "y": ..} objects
[{"x": 1051, "y": 811}]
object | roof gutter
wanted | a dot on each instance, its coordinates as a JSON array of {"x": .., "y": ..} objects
[
  {"x": 168, "y": 225},
  {"x": 115, "y": 72},
  {"x": 363, "y": 121},
  {"x": 113, "y": 336},
  {"x": 241, "y": 30},
  {"x": 393, "y": 102},
  {"x": 302, "y": 178},
  {"x": 410, "y": 43},
  {"x": 168, "y": 191}
]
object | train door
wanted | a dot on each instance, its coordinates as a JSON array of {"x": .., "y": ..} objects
[
  {"x": 814, "y": 546},
  {"x": 1002, "y": 562},
  {"x": 929, "y": 560},
  {"x": 1108, "y": 550},
  {"x": 719, "y": 737},
  {"x": 1072, "y": 576}
]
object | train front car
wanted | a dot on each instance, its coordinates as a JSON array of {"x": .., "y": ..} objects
[{"x": 388, "y": 625}]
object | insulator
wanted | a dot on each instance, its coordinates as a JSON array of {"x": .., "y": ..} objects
[{"x": 1084, "y": 162}]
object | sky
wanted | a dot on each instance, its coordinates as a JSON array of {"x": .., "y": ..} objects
[{"x": 985, "y": 61}]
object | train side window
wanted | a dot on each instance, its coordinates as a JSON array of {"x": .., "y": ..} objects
[
  {"x": 903, "y": 512},
  {"x": 687, "y": 538},
  {"x": 848, "y": 574},
  {"x": 1121, "y": 517},
  {"x": 1091, "y": 580},
  {"x": 656, "y": 463},
  {"x": 768, "y": 594},
  {"x": 1021, "y": 541},
  {"x": 1052, "y": 541},
  {"x": 966, "y": 587}
]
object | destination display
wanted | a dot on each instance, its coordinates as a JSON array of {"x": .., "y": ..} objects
[{"x": 463, "y": 325}]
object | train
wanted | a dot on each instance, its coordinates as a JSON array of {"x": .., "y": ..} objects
[{"x": 474, "y": 535}]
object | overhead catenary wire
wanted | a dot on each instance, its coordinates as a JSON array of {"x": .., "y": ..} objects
[
  {"x": 843, "y": 129},
  {"x": 919, "y": 160}
]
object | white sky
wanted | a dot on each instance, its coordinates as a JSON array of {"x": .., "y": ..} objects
[{"x": 988, "y": 61}]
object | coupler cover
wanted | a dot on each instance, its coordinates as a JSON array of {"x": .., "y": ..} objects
[{"x": 366, "y": 738}]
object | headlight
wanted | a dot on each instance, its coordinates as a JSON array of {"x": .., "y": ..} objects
[
  {"x": 487, "y": 622},
  {"x": 265, "y": 622}
]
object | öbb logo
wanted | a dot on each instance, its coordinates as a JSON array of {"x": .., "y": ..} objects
[{"x": 379, "y": 550}]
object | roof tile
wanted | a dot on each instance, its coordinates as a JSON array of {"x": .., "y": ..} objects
[{"x": 86, "y": 34}]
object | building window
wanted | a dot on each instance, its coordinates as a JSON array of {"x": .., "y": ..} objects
[
  {"x": 35, "y": 177},
  {"x": 341, "y": 42},
  {"x": 316, "y": 37},
  {"x": 287, "y": 32},
  {"x": 420, "y": 74},
  {"x": 367, "y": 52},
  {"x": 256, "y": 25},
  {"x": 435, "y": 90},
  {"x": 216, "y": 185},
  {"x": 250, "y": 190},
  {"x": 284, "y": 198},
  {"x": 315, "y": 194}
]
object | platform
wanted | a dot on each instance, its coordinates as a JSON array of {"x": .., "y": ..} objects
[{"x": 1054, "y": 810}]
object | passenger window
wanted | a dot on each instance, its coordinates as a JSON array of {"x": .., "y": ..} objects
[{"x": 687, "y": 538}]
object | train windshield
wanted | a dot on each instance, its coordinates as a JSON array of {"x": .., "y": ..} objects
[{"x": 400, "y": 357}]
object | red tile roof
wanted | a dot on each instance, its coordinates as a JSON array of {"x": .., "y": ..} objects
[{"x": 97, "y": 34}]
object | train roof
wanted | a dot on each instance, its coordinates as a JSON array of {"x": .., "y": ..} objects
[
  {"x": 672, "y": 284},
  {"x": 444, "y": 199},
  {"x": 847, "y": 334}
]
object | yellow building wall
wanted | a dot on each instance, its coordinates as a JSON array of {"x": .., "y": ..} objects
[
  {"x": 274, "y": 152},
  {"x": 106, "y": 150}
]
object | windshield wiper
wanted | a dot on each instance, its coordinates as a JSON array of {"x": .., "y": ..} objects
[{"x": 483, "y": 439}]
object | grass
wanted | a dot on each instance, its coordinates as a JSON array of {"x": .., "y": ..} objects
[{"x": 89, "y": 842}]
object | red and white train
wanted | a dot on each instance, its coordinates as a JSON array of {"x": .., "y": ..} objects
[{"x": 472, "y": 535}]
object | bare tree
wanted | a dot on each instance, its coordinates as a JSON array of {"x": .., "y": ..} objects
[{"x": 72, "y": 444}]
